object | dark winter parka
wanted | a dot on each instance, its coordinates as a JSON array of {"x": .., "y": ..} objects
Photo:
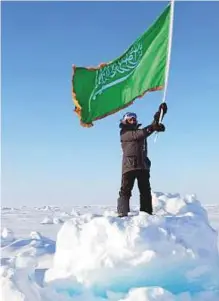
[{"x": 134, "y": 147}]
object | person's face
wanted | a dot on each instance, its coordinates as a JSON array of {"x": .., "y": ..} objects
[{"x": 132, "y": 120}]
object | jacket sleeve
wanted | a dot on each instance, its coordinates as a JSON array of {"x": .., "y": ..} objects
[{"x": 139, "y": 134}]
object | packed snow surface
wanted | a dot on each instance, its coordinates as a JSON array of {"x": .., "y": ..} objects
[{"x": 89, "y": 254}]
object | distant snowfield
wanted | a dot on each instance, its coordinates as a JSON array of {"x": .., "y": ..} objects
[{"x": 88, "y": 254}]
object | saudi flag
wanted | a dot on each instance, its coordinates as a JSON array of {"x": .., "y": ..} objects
[{"x": 100, "y": 91}]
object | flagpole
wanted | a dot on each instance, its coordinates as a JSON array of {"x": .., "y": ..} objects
[{"x": 168, "y": 58}]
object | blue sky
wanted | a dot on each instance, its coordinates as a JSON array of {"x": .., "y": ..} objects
[{"x": 48, "y": 158}]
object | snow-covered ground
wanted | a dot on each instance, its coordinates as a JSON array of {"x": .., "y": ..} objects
[{"x": 88, "y": 254}]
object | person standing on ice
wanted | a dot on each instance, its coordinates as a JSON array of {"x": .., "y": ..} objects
[{"x": 135, "y": 162}]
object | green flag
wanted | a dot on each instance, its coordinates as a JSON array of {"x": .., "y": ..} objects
[{"x": 100, "y": 91}]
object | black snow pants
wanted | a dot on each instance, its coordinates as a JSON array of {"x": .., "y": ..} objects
[{"x": 128, "y": 180}]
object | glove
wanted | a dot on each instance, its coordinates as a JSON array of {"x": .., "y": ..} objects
[
  {"x": 158, "y": 127},
  {"x": 163, "y": 107}
]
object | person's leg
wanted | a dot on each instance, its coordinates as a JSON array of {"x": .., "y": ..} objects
[
  {"x": 128, "y": 180},
  {"x": 143, "y": 177}
]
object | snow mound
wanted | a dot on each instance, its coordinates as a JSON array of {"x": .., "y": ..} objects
[
  {"x": 7, "y": 236},
  {"x": 35, "y": 235},
  {"x": 27, "y": 250},
  {"x": 171, "y": 256},
  {"x": 47, "y": 220},
  {"x": 52, "y": 220},
  {"x": 57, "y": 221},
  {"x": 74, "y": 212},
  {"x": 5, "y": 208},
  {"x": 176, "y": 251},
  {"x": 44, "y": 208},
  {"x": 64, "y": 214},
  {"x": 48, "y": 208}
]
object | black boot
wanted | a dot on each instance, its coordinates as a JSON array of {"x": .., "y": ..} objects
[
  {"x": 145, "y": 191},
  {"x": 146, "y": 203},
  {"x": 123, "y": 206}
]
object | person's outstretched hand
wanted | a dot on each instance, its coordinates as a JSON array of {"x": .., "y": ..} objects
[{"x": 163, "y": 107}]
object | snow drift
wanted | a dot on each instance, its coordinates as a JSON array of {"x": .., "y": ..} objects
[
  {"x": 7, "y": 236},
  {"x": 51, "y": 220},
  {"x": 171, "y": 256}
]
